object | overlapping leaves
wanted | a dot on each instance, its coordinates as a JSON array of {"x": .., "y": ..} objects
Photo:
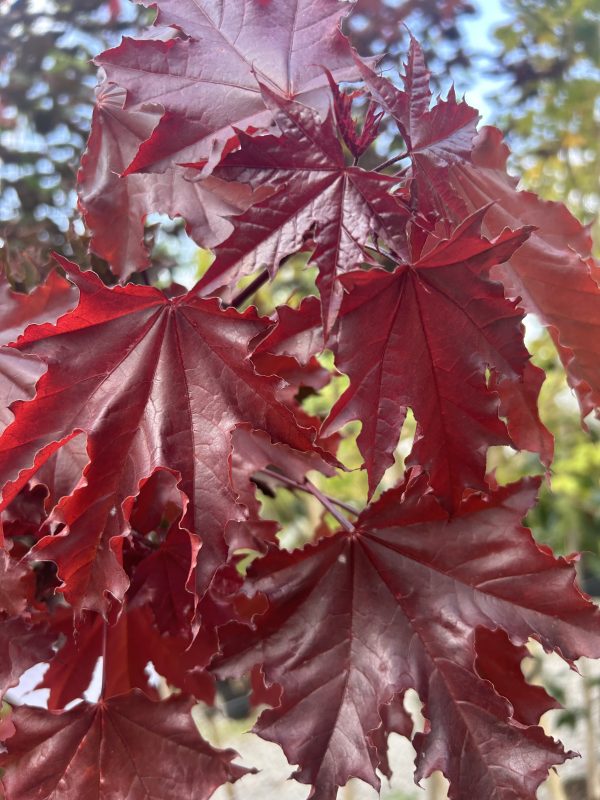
[{"x": 144, "y": 420}]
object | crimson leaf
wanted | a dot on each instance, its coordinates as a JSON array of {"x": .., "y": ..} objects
[
  {"x": 127, "y": 746},
  {"x": 208, "y": 84},
  {"x": 424, "y": 336},
  {"x": 169, "y": 400},
  {"x": 398, "y": 605},
  {"x": 314, "y": 186}
]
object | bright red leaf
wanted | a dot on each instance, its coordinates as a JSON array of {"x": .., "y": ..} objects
[
  {"x": 418, "y": 337},
  {"x": 171, "y": 400}
]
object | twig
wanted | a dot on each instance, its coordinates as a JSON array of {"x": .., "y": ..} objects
[
  {"x": 253, "y": 287},
  {"x": 390, "y": 161},
  {"x": 329, "y": 505},
  {"x": 104, "y": 651},
  {"x": 309, "y": 488},
  {"x": 382, "y": 252}
]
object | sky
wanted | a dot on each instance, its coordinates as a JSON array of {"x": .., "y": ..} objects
[{"x": 478, "y": 32}]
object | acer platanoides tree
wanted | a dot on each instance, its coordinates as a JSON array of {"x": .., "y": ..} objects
[{"x": 138, "y": 423}]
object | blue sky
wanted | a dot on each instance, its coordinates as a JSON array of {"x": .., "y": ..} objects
[{"x": 478, "y": 32}]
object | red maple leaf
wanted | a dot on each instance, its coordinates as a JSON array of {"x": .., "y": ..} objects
[
  {"x": 18, "y": 375},
  {"x": 127, "y": 746},
  {"x": 348, "y": 206},
  {"x": 400, "y": 604},
  {"x": 107, "y": 197},
  {"x": 445, "y": 324},
  {"x": 128, "y": 646},
  {"x": 22, "y": 645},
  {"x": 207, "y": 85},
  {"x": 457, "y": 172},
  {"x": 171, "y": 400}
]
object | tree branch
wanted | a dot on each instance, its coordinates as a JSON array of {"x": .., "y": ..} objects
[
  {"x": 328, "y": 502},
  {"x": 390, "y": 161},
  {"x": 247, "y": 293}
]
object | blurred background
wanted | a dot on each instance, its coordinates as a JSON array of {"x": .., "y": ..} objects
[{"x": 532, "y": 67}]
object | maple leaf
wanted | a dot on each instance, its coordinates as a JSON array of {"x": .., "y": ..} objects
[
  {"x": 297, "y": 333},
  {"x": 418, "y": 337},
  {"x": 46, "y": 303},
  {"x": 357, "y": 142},
  {"x": 558, "y": 254},
  {"x": 394, "y": 719},
  {"x": 358, "y": 618},
  {"x": 457, "y": 171},
  {"x": 131, "y": 643},
  {"x": 18, "y": 376},
  {"x": 160, "y": 579},
  {"x": 434, "y": 137},
  {"x": 253, "y": 452},
  {"x": 170, "y": 400},
  {"x": 22, "y": 645},
  {"x": 62, "y": 472},
  {"x": 127, "y": 746},
  {"x": 208, "y": 85},
  {"x": 115, "y": 206},
  {"x": 313, "y": 186}
]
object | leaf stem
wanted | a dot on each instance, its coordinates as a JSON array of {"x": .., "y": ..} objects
[
  {"x": 390, "y": 161},
  {"x": 104, "y": 651},
  {"x": 382, "y": 251},
  {"x": 252, "y": 287},
  {"x": 329, "y": 505},
  {"x": 328, "y": 502}
]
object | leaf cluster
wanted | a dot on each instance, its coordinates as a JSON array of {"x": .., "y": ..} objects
[{"x": 143, "y": 422}]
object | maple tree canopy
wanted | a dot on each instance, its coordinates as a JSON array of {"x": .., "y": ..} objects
[{"x": 139, "y": 422}]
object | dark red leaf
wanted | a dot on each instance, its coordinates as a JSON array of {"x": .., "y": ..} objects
[
  {"x": 558, "y": 254},
  {"x": 208, "y": 84},
  {"x": 17, "y": 585},
  {"x": 160, "y": 581},
  {"x": 47, "y": 302},
  {"x": 18, "y": 377},
  {"x": 499, "y": 662},
  {"x": 131, "y": 644},
  {"x": 171, "y": 400},
  {"x": 22, "y": 645},
  {"x": 116, "y": 206},
  {"x": 313, "y": 187},
  {"x": 357, "y": 619},
  {"x": 456, "y": 174},
  {"x": 394, "y": 719},
  {"x": 423, "y": 337},
  {"x": 127, "y": 746}
]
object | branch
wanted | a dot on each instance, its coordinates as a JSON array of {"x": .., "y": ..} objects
[
  {"x": 247, "y": 293},
  {"x": 390, "y": 161},
  {"x": 328, "y": 502},
  {"x": 104, "y": 651}
]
